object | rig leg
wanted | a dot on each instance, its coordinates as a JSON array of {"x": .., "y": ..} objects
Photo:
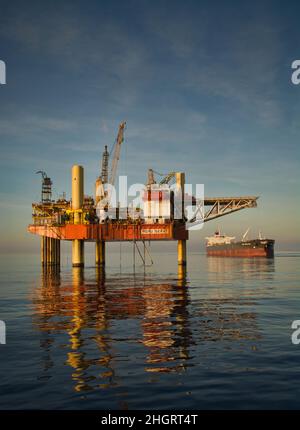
[
  {"x": 77, "y": 253},
  {"x": 48, "y": 250},
  {"x": 52, "y": 251},
  {"x": 77, "y": 277},
  {"x": 181, "y": 249},
  {"x": 58, "y": 252},
  {"x": 100, "y": 275},
  {"x": 181, "y": 282},
  {"x": 55, "y": 252},
  {"x": 43, "y": 250},
  {"x": 77, "y": 202},
  {"x": 100, "y": 253}
]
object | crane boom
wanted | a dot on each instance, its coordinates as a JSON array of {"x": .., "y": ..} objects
[
  {"x": 245, "y": 234},
  {"x": 167, "y": 178},
  {"x": 44, "y": 174},
  {"x": 46, "y": 193},
  {"x": 116, "y": 156}
]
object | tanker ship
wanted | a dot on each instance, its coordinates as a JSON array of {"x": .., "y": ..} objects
[{"x": 225, "y": 246}]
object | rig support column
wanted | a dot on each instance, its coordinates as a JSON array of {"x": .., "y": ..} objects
[
  {"x": 43, "y": 250},
  {"x": 181, "y": 281},
  {"x": 52, "y": 251},
  {"x": 48, "y": 251},
  {"x": 77, "y": 253},
  {"x": 181, "y": 247},
  {"x": 77, "y": 203},
  {"x": 57, "y": 252},
  {"x": 100, "y": 253}
]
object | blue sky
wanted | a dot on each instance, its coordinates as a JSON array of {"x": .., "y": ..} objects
[{"x": 205, "y": 87}]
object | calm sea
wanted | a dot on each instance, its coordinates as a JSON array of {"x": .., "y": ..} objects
[{"x": 150, "y": 338}]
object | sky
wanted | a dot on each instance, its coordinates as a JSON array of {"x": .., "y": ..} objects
[{"x": 204, "y": 86}]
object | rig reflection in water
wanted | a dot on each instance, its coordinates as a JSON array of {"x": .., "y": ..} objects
[
  {"x": 102, "y": 324},
  {"x": 88, "y": 312}
]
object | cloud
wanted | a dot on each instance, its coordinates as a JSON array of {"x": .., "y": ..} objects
[
  {"x": 74, "y": 38},
  {"x": 172, "y": 49},
  {"x": 20, "y": 126},
  {"x": 241, "y": 64}
]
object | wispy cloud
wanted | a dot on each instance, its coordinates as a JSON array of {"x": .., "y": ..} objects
[
  {"x": 20, "y": 126},
  {"x": 246, "y": 72}
]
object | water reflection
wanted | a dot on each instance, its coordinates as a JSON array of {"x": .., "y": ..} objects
[
  {"x": 227, "y": 307},
  {"x": 89, "y": 313},
  {"x": 100, "y": 325},
  {"x": 221, "y": 269},
  {"x": 166, "y": 332}
]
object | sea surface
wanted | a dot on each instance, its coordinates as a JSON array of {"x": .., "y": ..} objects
[{"x": 217, "y": 337}]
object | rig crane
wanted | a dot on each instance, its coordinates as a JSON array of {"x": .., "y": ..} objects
[
  {"x": 107, "y": 177},
  {"x": 116, "y": 156},
  {"x": 165, "y": 180},
  {"x": 110, "y": 179}
]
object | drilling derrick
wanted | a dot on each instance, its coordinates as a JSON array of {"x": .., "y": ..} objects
[
  {"x": 103, "y": 178},
  {"x": 104, "y": 170},
  {"x": 46, "y": 193}
]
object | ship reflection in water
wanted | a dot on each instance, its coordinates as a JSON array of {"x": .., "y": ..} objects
[
  {"x": 104, "y": 326},
  {"x": 224, "y": 269}
]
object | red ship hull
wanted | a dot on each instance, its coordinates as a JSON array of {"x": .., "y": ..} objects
[{"x": 252, "y": 248}]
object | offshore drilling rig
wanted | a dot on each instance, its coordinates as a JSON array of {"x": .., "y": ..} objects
[{"x": 97, "y": 219}]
